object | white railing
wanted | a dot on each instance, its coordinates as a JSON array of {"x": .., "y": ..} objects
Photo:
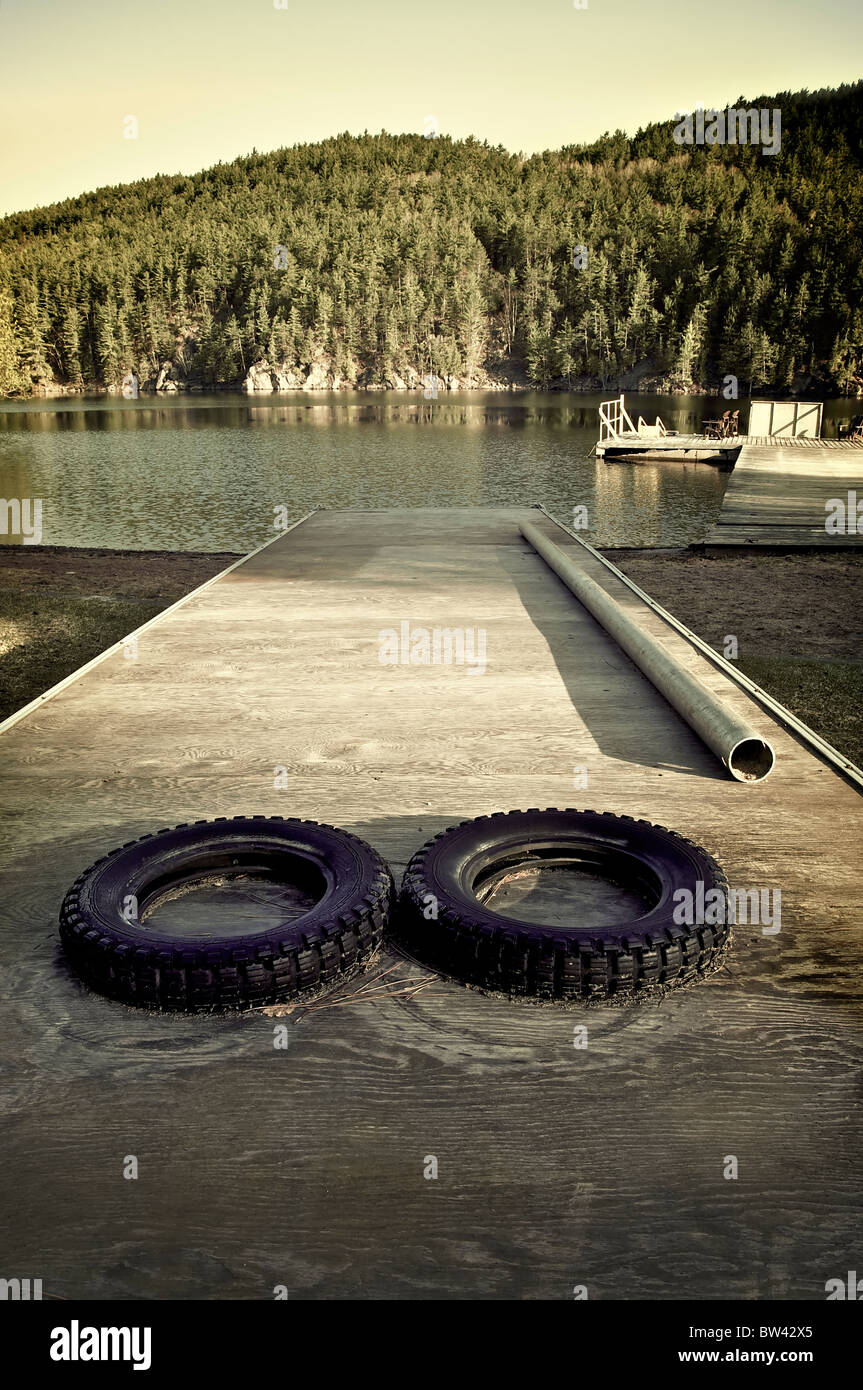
[{"x": 614, "y": 421}]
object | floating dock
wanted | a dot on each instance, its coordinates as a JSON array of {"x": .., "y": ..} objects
[
  {"x": 686, "y": 448},
  {"x": 621, "y": 440},
  {"x": 602, "y": 1166},
  {"x": 780, "y": 494}
]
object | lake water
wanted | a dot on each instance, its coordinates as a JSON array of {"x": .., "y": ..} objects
[{"x": 207, "y": 472}]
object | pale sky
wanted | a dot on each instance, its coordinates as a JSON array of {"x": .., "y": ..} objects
[{"x": 212, "y": 79}]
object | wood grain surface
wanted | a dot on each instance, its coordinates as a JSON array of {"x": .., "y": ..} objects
[
  {"x": 778, "y": 491},
  {"x": 557, "y": 1166}
]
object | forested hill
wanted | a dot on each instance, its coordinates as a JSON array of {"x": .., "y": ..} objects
[{"x": 371, "y": 259}]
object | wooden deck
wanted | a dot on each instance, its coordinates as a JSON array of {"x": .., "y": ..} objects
[
  {"x": 557, "y": 1166},
  {"x": 777, "y": 493},
  {"x": 688, "y": 448}
]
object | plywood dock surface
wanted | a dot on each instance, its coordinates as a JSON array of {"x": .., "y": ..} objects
[
  {"x": 558, "y": 1166},
  {"x": 778, "y": 493}
]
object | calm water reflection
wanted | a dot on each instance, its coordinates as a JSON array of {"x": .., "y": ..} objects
[{"x": 206, "y": 472}]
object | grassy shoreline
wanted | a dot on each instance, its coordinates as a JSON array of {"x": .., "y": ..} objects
[
  {"x": 797, "y": 618},
  {"x": 60, "y": 606}
]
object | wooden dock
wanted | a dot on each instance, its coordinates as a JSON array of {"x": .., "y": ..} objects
[
  {"x": 558, "y": 1166},
  {"x": 686, "y": 448},
  {"x": 778, "y": 494}
]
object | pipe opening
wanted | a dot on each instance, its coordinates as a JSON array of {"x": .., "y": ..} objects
[{"x": 751, "y": 759}]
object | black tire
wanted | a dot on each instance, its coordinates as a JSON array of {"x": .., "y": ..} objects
[
  {"x": 478, "y": 946},
  {"x": 127, "y": 961}
]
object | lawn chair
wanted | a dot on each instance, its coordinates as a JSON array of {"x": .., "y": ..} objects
[
  {"x": 716, "y": 429},
  {"x": 854, "y": 430}
]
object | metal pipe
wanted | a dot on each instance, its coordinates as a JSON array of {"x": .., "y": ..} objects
[
  {"x": 747, "y": 756},
  {"x": 843, "y": 765}
]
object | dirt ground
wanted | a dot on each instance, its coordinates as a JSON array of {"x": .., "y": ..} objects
[
  {"x": 797, "y": 617},
  {"x": 60, "y": 607},
  {"x": 803, "y": 605},
  {"x": 134, "y": 575}
]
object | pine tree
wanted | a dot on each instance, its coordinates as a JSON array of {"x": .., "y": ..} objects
[
  {"x": 691, "y": 353},
  {"x": 11, "y": 377},
  {"x": 31, "y": 338},
  {"x": 472, "y": 329}
]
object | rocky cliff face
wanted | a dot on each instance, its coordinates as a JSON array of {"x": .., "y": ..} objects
[{"x": 322, "y": 375}]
